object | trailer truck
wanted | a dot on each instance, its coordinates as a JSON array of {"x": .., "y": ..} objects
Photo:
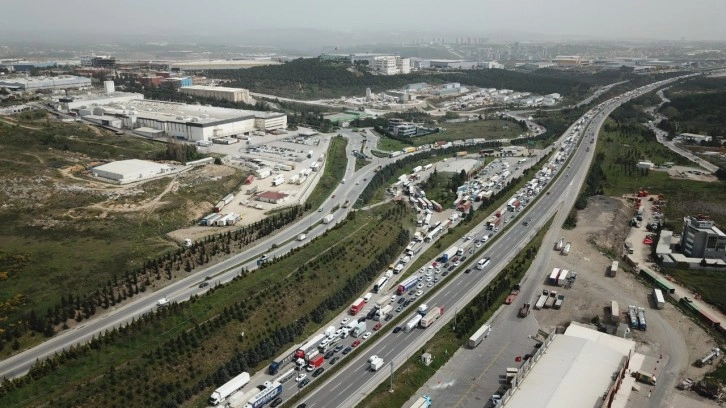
[
  {"x": 431, "y": 316},
  {"x": 315, "y": 362},
  {"x": 357, "y": 306},
  {"x": 407, "y": 285},
  {"x": 423, "y": 401},
  {"x": 411, "y": 324},
  {"x": 540, "y": 302},
  {"x": 383, "y": 312},
  {"x": 479, "y": 335},
  {"x": 376, "y": 363},
  {"x": 228, "y": 388},
  {"x": 359, "y": 329},
  {"x": 306, "y": 348},
  {"x": 448, "y": 254},
  {"x": 267, "y": 394}
]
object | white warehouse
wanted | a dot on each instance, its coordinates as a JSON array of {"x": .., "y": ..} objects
[
  {"x": 38, "y": 83},
  {"x": 129, "y": 171}
]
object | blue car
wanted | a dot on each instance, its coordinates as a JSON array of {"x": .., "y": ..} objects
[{"x": 347, "y": 350}]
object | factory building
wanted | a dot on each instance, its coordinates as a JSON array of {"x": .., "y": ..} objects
[
  {"x": 580, "y": 368},
  {"x": 177, "y": 82},
  {"x": 129, "y": 171},
  {"x": 702, "y": 239},
  {"x": 45, "y": 83},
  {"x": 218, "y": 92},
  {"x": 93, "y": 100}
]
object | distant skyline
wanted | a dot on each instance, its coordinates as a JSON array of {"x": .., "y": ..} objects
[{"x": 528, "y": 19}]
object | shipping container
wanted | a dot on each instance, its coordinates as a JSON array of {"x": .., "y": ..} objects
[{"x": 479, "y": 335}]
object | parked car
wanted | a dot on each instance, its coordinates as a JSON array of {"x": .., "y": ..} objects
[
  {"x": 355, "y": 343},
  {"x": 318, "y": 371},
  {"x": 398, "y": 309},
  {"x": 377, "y": 327},
  {"x": 347, "y": 350},
  {"x": 388, "y": 317},
  {"x": 329, "y": 354},
  {"x": 334, "y": 360},
  {"x": 204, "y": 284}
]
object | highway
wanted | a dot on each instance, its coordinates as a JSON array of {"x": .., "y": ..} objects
[{"x": 350, "y": 385}]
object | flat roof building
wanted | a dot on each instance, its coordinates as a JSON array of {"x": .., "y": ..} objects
[
  {"x": 129, "y": 171},
  {"x": 218, "y": 92},
  {"x": 702, "y": 239},
  {"x": 42, "y": 83}
]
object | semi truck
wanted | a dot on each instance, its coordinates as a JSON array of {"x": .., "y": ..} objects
[
  {"x": 433, "y": 314},
  {"x": 553, "y": 276},
  {"x": 270, "y": 391},
  {"x": 228, "y": 388},
  {"x": 411, "y": 324},
  {"x": 658, "y": 298},
  {"x": 239, "y": 399},
  {"x": 479, "y": 335},
  {"x": 357, "y": 306},
  {"x": 423, "y": 401},
  {"x": 407, "y": 285},
  {"x": 306, "y": 348},
  {"x": 315, "y": 362},
  {"x": 359, "y": 329},
  {"x": 383, "y": 312},
  {"x": 276, "y": 365},
  {"x": 566, "y": 249},
  {"x": 450, "y": 253},
  {"x": 641, "y": 319}
]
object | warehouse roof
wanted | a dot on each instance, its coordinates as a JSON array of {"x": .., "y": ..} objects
[
  {"x": 574, "y": 372},
  {"x": 181, "y": 112},
  {"x": 214, "y": 88},
  {"x": 132, "y": 166}
]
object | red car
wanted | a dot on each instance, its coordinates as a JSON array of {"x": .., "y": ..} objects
[
  {"x": 356, "y": 343},
  {"x": 377, "y": 327}
]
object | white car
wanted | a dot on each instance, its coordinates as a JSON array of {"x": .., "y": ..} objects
[
  {"x": 345, "y": 321},
  {"x": 300, "y": 377},
  {"x": 419, "y": 293},
  {"x": 478, "y": 244},
  {"x": 457, "y": 263},
  {"x": 429, "y": 279},
  {"x": 430, "y": 285},
  {"x": 393, "y": 298},
  {"x": 366, "y": 335},
  {"x": 420, "y": 285}
]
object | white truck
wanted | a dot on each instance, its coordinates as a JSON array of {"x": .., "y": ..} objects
[
  {"x": 479, "y": 335},
  {"x": 411, "y": 324},
  {"x": 228, "y": 388},
  {"x": 162, "y": 302},
  {"x": 328, "y": 219},
  {"x": 376, "y": 363},
  {"x": 383, "y": 312}
]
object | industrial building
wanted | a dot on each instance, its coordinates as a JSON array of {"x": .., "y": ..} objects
[
  {"x": 271, "y": 197},
  {"x": 129, "y": 171},
  {"x": 580, "y": 368},
  {"x": 218, "y": 92},
  {"x": 45, "y": 83},
  {"x": 702, "y": 239},
  {"x": 90, "y": 101}
]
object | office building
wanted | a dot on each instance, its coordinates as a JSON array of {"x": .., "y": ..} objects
[{"x": 702, "y": 239}]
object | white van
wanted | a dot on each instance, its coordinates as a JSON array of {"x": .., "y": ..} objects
[{"x": 367, "y": 297}]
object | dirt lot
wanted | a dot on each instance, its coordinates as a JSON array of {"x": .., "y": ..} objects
[
  {"x": 690, "y": 173},
  {"x": 604, "y": 223}
]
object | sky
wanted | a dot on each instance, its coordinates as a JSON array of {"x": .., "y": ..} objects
[{"x": 591, "y": 19}]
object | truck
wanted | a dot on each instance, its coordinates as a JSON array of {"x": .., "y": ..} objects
[
  {"x": 562, "y": 277},
  {"x": 376, "y": 363},
  {"x": 411, "y": 324},
  {"x": 270, "y": 391},
  {"x": 512, "y": 295},
  {"x": 437, "y": 207},
  {"x": 514, "y": 205},
  {"x": 560, "y": 244},
  {"x": 276, "y": 365},
  {"x": 218, "y": 207},
  {"x": 328, "y": 219},
  {"x": 633, "y": 316},
  {"x": 553, "y": 276},
  {"x": 239, "y": 399},
  {"x": 306, "y": 348},
  {"x": 383, "y": 312},
  {"x": 357, "y": 306},
  {"x": 325, "y": 346},
  {"x": 433, "y": 314},
  {"x": 407, "y": 285},
  {"x": 566, "y": 249},
  {"x": 641, "y": 319},
  {"x": 493, "y": 222},
  {"x": 644, "y": 377},
  {"x": 708, "y": 359},
  {"x": 315, "y": 362},
  {"x": 613, "y": 269},
  {"x": 162, "y": 302},
  {"x": 423, "y": 401},
  {"x": 450, "y": 253},
  {"x": 559, "y": 301},
  {"x": 359, "y": 329},
  {"x": 228, "y": 388},
  {"x": 541, "y": 301},
  {"x": 524, "y": 310},
  {"x": 550, "y": 300},
  {"x": 417, "y": 169},
  {"x": 658, "y": 298},
  {"x": 423, "y": 309},
  {"x": 380, "y": 284},
  {"x": 479, "y": 335}
]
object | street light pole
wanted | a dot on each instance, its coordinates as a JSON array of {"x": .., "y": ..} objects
[{"x": 391, "y": 386}]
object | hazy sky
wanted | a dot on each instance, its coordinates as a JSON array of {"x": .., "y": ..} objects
[{"x": 641, "y": 19}]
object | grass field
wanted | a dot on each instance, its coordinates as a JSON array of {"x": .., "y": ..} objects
[
  {"x": 153, "y": 364},
  {"x": 413, "y": 374},
  {"x": 475, "y": 129},
  {"x": 334, "y": 171},
  {"x": 710, "y": 284}
]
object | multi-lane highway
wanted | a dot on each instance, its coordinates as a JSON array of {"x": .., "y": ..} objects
[{"x": 350, "y": 385}]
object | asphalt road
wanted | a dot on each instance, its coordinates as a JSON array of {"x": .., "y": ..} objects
[{"x": 351, "y": 385}]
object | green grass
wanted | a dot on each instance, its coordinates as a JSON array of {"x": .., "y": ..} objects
[
  {"x": 335, "y": 165},
  {"x": 413, "y": 374},
  {"x": 273, "y": 296},
  {"x": 474, "y": 129},
  {"x": 360, "y": 163},
  {"x": 709, "y": 284}
]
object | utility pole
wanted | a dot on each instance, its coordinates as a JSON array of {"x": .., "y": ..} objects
[{"x": 391, "y": 386}]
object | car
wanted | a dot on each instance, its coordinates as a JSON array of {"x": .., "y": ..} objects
[
  {"x": 398, "y": 309},
  {"x": 491, "y": 235},
  {"x": 367, "y": 335},
  {"x": 388, "y": 317},
  {"x": 333, "y": 196},
  {"x": 457, "y": 263},
  {"x": 429, "y": 279},
  {"x": 371, "y": 314},
  {"x": 334, "y": 360},
  {"x": 401, "y": 300},
  {"x": 419, "y": 293},
  {"x": 463, "y": 258},
  {"x": 302, "y": 406},
  {"x": 430, "y": 285},
  {"x": 478, "y": 244},
  {"x": 445, "y": 273},
  {"x": 347, "y": 350},
  {"x": 344, "y": 321},
  {"x": 277, "y": 401},
  {"x": 357, "y": 182},
  {"x": 446, "y": 265},
  {"x": 320, "y": 209},
  {"x": 407, "y": 302},
  {"x": 303, "y": 383},
  {"x": 329, "y": 355},
  {"x": 365, "y": 179},
  {"x": 420, "y": 285},
  {"x": 204, "y": 284},
  {"x": 361, "y": 320},
  {"x": 318, "y": 371},
  {"x": 506, "y": 221},
  {"x": 356, "y": 343},
  {"x": 496, "y": 229},
  {"x": 393, "y": 298},
  {"x": 467, "y": 270},
  {"x": 338, "y": 348},
  {"x": 397, "y": 329},
  {"x": 263, "y": 257},
  {"x": 451, "y": 268},
  {"x": 300, "y": 377}
]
